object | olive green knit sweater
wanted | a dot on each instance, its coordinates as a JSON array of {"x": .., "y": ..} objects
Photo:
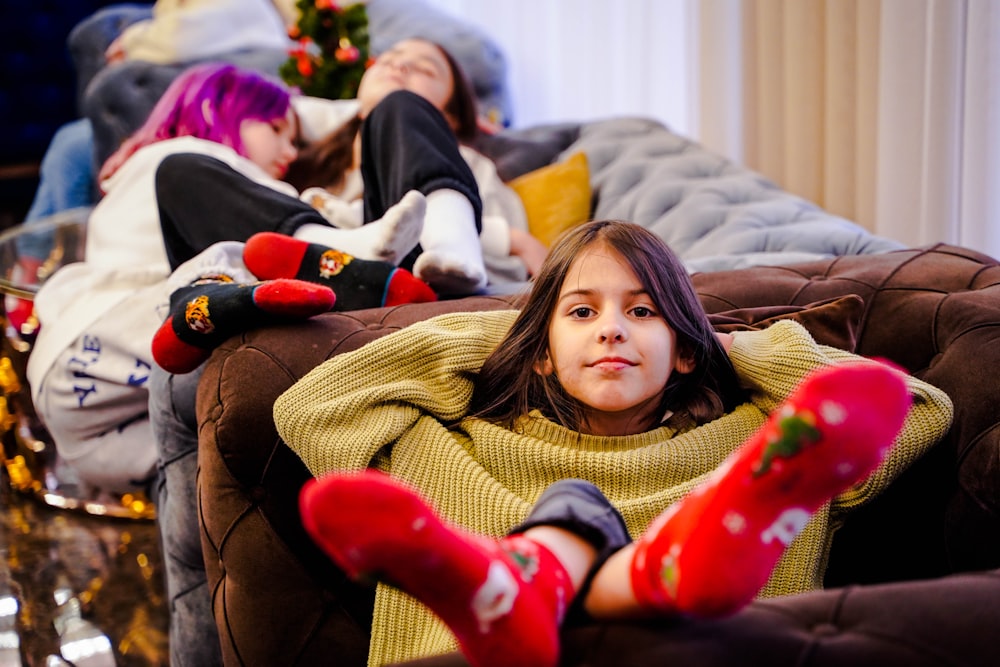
[{"x": 387, "y": 404}]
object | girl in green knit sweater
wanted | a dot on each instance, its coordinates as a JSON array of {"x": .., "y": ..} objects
[{"x": 612, "y": 366}]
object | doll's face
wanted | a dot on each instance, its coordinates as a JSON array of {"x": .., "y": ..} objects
[
  {"x": 413, "y": 65},
  {"x": 270, "y": 145},
  {"x": 609, "y": 347}
]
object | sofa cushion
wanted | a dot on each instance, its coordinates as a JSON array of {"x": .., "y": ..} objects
[
  {"x": 556, "y": 197},
  {"x": 832, "y": 322},
  {"x": 917, "y": 624}
]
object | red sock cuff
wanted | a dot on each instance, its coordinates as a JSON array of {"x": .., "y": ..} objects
[
  {"x": 174, "y": 355},
  {"x": 404, "y": 287},
  {"x": 540, "y": 569}
]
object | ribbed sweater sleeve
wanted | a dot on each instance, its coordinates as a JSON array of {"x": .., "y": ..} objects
[{"x": 342, "y": 413}]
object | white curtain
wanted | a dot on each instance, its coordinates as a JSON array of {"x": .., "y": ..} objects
[
  {"x": 938, "y": 122},
  {"x": 592, "y": 59},
  {"x": 883, "y": 111}
]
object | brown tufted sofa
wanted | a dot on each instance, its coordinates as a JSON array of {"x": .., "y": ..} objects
[{"x": 911, "y": 578}]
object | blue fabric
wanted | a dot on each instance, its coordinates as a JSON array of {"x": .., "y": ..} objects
[
  {"x": 579, "y": 506},
  {"x": 194, "y": 639},
  {"x": 67, "y": 175}
]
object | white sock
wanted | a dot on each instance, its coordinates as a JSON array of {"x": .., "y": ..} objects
[
  {"x": 452, "y": 257},
  {"x": 338, "y": 212},
  {"x": 388, "y": 239}
]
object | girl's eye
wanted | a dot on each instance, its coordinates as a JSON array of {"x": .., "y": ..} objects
[
  {"x": 581, "y": 312},
  {"x": 643, "y": 312}
]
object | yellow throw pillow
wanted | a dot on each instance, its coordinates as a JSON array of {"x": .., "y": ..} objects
[{"x": 555, "y": 197}]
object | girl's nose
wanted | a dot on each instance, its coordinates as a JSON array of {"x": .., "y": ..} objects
[
  {"x": 401, "y": 65},
  {"x": 612, "y": 331}
]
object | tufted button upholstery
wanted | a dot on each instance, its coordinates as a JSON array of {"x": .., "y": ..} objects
[
  {"x": 936, "y": 311},
  {"x": 870, "y": 626}
]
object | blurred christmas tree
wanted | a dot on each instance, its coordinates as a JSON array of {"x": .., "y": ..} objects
[{"x": 332, "y": 52}]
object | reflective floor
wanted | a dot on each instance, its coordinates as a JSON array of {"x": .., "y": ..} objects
[
  {"x": 81, "y": 586},
  {"x": 78, "y": 589}
]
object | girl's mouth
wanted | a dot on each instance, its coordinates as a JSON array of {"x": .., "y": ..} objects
[{"x": 612, "y": 363}]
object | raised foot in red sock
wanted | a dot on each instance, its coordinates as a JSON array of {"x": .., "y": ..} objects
[
  {"x": 712, "y": 552},
  {"x": 359, "y": 283},
  {"x": 372, "y": 526}
]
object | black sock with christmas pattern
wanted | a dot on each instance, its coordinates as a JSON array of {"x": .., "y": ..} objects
[
  {"x": 206, "y": 313},
  {"x": 359, "y": 283}
]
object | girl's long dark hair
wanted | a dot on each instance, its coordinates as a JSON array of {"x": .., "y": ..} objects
[
  {"x": 508, "y": 387},
  {"x": 325, "y": 162}
]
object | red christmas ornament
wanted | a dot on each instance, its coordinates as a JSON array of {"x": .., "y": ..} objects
[
  {"x": 303, "y": 60},
  {"x": 346, "y": 54}
]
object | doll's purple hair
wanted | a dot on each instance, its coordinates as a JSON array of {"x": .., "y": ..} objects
[{"x": 207, "y": 101}]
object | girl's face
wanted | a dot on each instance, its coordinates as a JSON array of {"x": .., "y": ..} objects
[
  {"x": 608, "y": 346},
  {"x": 270, "y": 145},
  {"x": 413, "y": 65}
]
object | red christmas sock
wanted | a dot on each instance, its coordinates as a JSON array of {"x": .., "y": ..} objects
[
  {"x": 205, "y": 314},
  {"x": 359, "y": 283},
  {"x": 711, "y": 553},
  {"x": 502, "y": 600}
]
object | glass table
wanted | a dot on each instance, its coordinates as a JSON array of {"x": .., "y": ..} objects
[{"x": 29, "y": 254}]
